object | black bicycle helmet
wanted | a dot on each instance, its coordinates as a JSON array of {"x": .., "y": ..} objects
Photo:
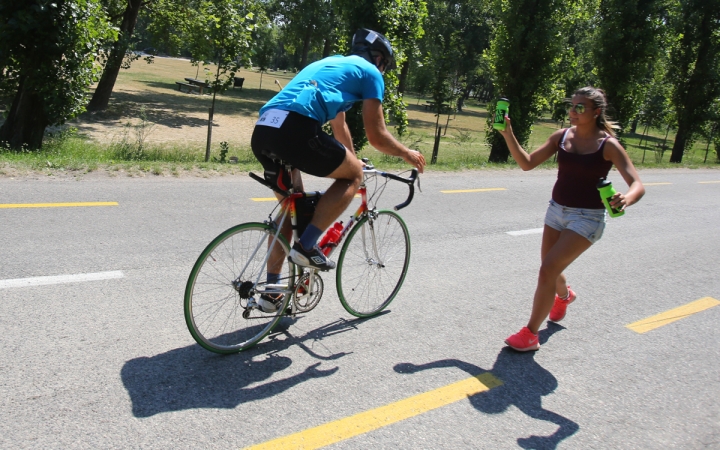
[{"x": 366, "y": 41}]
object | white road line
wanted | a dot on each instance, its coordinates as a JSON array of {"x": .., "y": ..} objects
[
  {"x": 59, "y": 279},
  {"x": 522, "y": 232}
]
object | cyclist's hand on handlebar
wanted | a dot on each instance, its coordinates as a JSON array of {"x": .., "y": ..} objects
[{"x": 415, "y": 158}]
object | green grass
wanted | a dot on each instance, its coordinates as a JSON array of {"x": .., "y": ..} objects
[{"x": 146, "y": 106}]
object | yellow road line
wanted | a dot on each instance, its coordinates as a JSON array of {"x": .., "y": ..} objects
[
  {"x": 656, "y": 321},
  {"x": 367, "y": 421},
  {"x": 655, "y": 184},
  {"x": 55, "y": 205},
  {"x": 709, "y": 182},
  {"x": 459, "y": 191}
]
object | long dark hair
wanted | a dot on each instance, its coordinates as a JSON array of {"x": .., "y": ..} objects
[{"x": 597, "y": 96}]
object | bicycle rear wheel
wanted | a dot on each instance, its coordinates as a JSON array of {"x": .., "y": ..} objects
[
  {"x": 230, "y": 272},
  {"x": 373, "y": 263}
]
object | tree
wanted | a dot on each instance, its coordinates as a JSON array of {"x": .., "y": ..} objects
[
  {"x": 524, "y": 55},
  {"x": 694, "y": 68},
  {"x": 220, "y": 33},
  {"x": 577, "y": 62},
  {"x": 455, "y": 36},
  {"x": 266, "y": 43},
  {"x": 629, "y": 39},
  {"x": 301, "y": 27},
  {"x": 401, "y": 22},
  {"x": 48, "y": 53},
  {"x": 118, "y": 49}
]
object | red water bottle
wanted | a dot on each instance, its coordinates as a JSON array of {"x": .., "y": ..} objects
[{"x": 331, "y": 238}]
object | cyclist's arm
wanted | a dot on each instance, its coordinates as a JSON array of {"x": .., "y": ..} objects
[
  {"x": 341, "y": 132},
  {"x": 380, "y": 138}
]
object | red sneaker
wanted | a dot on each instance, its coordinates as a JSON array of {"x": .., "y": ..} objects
[
  {"x": 524, "y": 340},
  {"x": 557, "y": 313}
]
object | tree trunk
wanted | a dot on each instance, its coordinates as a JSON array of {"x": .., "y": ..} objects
[
  {"x": 26, "y": 121},
  {"x": 436, "y": 145},
  {"x": 499, "y": 152},
  {"x": 306, "y": 48},
  {"x": 101, "y": 97},
  {"x": 404, "y": 70},
  {"x": 327, "y": 47},
  {"x": 634, "y": 125},
  {"x": 681, "y": 138}
]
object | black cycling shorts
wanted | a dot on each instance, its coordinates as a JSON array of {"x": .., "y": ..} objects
[{"x": 300, "y": 142}]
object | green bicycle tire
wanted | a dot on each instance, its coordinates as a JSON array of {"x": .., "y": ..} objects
[
  {"x": 214, "y": 308},
  {"x": 366, "y": 286}
]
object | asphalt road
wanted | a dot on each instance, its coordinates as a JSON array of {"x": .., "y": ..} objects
[{"x": 109, "y": 363}]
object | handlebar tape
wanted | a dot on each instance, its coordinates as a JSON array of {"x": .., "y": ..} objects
[{"x": 410, "y": 181}]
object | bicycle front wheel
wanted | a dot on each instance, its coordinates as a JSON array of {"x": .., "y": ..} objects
[
  {"x": 373, "y": 263},
  {"x": 228, "y": 276}
]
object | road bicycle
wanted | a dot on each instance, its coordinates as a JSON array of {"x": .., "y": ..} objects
[{"x": 221, "y": 309}]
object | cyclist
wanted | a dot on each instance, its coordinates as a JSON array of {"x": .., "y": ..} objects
[{"x": 290, "y": 129}]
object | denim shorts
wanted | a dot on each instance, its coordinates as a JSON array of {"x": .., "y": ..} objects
[{"x": 588, "y": 223}]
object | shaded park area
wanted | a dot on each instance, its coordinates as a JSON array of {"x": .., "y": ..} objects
[{"x": 147, "y": 115}]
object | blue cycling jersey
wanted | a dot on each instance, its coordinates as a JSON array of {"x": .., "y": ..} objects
[{"x": 328, "y": 87}]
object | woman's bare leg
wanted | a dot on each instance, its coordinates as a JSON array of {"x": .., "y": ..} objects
[
  {"x": 550, "y": 237},
  {"x": 560, "y": 250}
]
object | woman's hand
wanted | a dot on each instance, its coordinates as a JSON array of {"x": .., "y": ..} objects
[
  {"x": 618, "y": 201},
  {"x": 507, "y": 132}
]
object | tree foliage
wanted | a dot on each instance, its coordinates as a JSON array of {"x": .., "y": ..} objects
[
  {"x": 525, "y": 56},
  {"x": 694, "y": 70},
  {"x": 630, "y": 38},
  {"x": 456, "y": 33},
  {"x": 48, "y": 54},
  {"x": 401, "y": 22},
  {"x": 117, "y": 53},
  {"x": 300, "y": 24}
]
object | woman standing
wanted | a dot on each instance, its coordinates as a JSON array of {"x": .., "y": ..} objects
[{"x": 575, "y": 218}]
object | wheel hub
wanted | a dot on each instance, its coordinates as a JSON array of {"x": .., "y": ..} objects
[{"x": 246, "y": 289}]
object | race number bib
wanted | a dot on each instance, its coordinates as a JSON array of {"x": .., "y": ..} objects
[{"x": 272, "y": 118}]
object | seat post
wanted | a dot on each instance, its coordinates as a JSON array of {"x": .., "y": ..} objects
[{"x": 295, "y": 178}]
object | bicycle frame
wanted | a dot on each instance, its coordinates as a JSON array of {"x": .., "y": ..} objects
[{"x": 288, "y": 208}]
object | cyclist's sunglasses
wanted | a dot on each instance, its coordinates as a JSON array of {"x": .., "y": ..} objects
[{"x": 579, "y": 108}]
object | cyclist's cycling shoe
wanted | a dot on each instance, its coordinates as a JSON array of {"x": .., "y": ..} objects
[
  {"x": 270, "y": 303},
  {"x": 313, "y": 258}
]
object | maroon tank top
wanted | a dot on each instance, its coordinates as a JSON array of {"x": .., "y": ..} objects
[{"x": 578, "y": 175}]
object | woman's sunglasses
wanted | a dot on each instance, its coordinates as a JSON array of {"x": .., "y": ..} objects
[{"x": 579, "y": 108}]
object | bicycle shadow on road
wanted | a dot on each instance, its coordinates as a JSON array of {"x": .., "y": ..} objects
[
  {"x": 192, "y": 377},
  {"x": 525, "y": 382}
]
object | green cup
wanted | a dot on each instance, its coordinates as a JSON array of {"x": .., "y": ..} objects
[
  {"x": 501, "y": 110},
  {"x": 607, "y": 191}
]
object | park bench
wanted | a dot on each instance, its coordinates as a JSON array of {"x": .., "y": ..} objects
[
  {"x": 190, "y": 87},
  {"x": 445, "y": 108},
  {"x": 199, "y": 83},
  {"x": 238, "y": 82}
]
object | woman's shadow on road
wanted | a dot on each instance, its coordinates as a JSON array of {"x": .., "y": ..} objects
[{"x": 525, "y": 382}]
